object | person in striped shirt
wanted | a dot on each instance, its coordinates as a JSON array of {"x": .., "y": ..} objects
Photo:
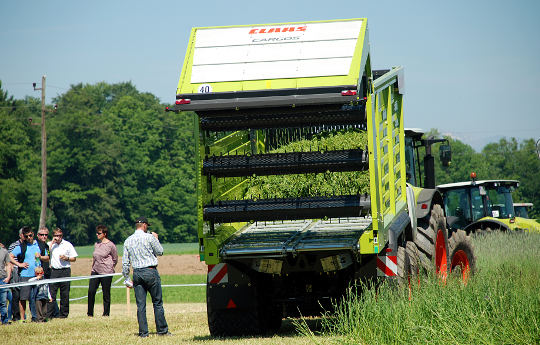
[{"x": 141, "y": 250}]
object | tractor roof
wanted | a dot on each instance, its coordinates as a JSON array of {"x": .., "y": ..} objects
[{"x": 491, "y": 183}]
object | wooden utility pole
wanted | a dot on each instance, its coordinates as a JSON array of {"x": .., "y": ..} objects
[{"x": 43, "y": 215}]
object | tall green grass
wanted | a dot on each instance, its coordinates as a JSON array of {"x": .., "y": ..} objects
[
  {"x": 168, "y": 249},
  {"x": 499, "y": 305}
]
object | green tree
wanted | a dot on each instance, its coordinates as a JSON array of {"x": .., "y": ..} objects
[
  {"x": 116, "y": 155},
  {"x": 20, "y": 191}
]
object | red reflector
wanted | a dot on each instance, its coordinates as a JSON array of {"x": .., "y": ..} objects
[
  {"x": 231, "y": 304},
  {"x": 348, "y": 93},
  {"x": 473, "y": 175},
  {"x": 424, "y": 206},
  {"x": 183, "y": 101}
]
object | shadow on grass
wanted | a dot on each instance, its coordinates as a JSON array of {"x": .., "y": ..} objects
[{"x": 287, "y": 330}]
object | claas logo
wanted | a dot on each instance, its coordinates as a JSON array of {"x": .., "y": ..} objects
[{"x": 280, "y": 29}]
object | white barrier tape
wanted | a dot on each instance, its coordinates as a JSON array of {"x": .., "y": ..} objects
[
  {"x": 121, "y": 287},
  {"x": 99, "y": 291},
  {"x": 57, "y": 280}
]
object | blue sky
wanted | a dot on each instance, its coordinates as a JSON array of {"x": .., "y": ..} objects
[{"x": 472, "y": 68}]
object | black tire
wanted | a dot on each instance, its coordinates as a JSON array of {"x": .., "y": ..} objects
[
  {"x": 403, "y": 266},
  {"x": 264, "y": 316},
  {"x": 231, "y": 322},
  {"x": 432, "y": 243},
  {"x": 462, "y": 258},
  {"x": 407, "y": 263},
  {"x": 228, "y": 323},
  {"x": 272, "y": 317},
  {"x": 414, "y": 258}
]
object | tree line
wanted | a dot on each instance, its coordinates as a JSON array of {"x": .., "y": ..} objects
[{"x": 114, "y": 154}]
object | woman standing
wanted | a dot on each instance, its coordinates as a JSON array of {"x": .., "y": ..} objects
[{"x": 104, "y": 260}]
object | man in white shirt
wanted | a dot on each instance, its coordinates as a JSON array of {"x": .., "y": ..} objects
[{"x": 62, "y": 254}]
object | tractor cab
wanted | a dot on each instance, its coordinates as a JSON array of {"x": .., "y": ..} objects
[
  {"x": 413, "y": 142},
  {"x": 484, "y": 204},
  {"x": 522, "y": 209}
]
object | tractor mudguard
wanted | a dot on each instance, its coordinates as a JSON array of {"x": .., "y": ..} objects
[
  {"x": 235, "y": 292},
  {"x": 487, "y": 223},
  {"x": 427, "y": 197}
]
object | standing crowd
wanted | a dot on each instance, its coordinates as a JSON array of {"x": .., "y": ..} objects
[{"x": 29, "y": 260}]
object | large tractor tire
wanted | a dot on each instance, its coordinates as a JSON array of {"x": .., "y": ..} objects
[
  {"x": 407, "y": 264},
  {"x": 254, "y": 315},
  {"x": 227, "y": 323},
  {"x": 432, "y": 243},
  {"x": 462, "y": 259}
]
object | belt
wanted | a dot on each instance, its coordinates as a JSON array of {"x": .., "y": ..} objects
[
  {"x": 58, "y": 269},
  {"x": 142, "y": 268}
]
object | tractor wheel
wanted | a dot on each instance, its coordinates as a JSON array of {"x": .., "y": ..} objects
[
  {"x": 272, "y": 317},
  {"x": 225, "y": 322},
  {"x": 462, "y": 259},
  {"x": 407, "y": 263},
  {"x": 432, "y": 243},
  {"x": 403, "y": 266}
]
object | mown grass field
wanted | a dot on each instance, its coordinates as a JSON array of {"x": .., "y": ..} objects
[{"x": 499, "y": 305}]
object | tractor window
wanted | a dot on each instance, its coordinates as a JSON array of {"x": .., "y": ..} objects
[
  {"x": 477, "y": 204},
  {"x": 457, "y": 205},
  {"x": 500, "y": 203},
  {"x": 521, "y": 211}
]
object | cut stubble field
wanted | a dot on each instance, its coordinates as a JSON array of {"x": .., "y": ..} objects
[{"x": 187, "y": 322}]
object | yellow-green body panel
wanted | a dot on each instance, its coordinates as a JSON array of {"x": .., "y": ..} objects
[
  {"x": 386, "y": 145},
  {"x": 351, "y": 78},
  {"x": 515, "y": 224},
  {"x": 385, "y": 128}
]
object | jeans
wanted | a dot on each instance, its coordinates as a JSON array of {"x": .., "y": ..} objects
[
  {"x": 3, "y": 306},
  {"x": 148, "y": 280},
  {"x": 10, "y": 300},
  {"x": 32, "y": 303},
  {"x": 106, "y": 288}
]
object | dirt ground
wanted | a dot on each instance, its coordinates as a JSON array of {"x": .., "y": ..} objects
[{"x": 168, "y": 265}]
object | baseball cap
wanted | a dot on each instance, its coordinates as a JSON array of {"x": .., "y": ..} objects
[{"x": 142, "y": 220}]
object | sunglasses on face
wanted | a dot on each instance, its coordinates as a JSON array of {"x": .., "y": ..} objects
[
  {"x": 99, "y": 233},
  {"x": 42, "y": 234},
  {"x": 57, "y": 235},
  {"x": 29, "y": 235}
]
